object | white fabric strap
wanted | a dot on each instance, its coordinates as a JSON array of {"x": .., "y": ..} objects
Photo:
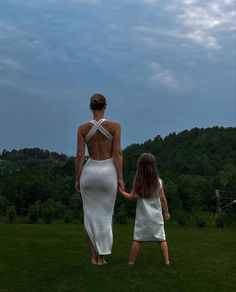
[
  {"x": 93, "y": 130},
  {"x": 97, "y": 125}
]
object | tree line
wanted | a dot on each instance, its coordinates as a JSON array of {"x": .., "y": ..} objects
[{"x": 192, "y": 163}]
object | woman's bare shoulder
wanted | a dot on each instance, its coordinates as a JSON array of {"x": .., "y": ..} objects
[
  {"x": 113, "y": 123},
  {"x": 84, "y": 127}
]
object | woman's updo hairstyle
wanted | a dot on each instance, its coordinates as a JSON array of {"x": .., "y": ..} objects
[{"x": 97, "y": 102}]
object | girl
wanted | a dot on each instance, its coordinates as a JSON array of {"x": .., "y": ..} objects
[{"x": 148, "y": 190}]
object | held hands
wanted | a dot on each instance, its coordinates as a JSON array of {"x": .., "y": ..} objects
[
  {"x": 126, "y": 195},
  {"x": 121, "y": 190}
]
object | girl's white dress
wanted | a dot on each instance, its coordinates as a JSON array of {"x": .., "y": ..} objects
[{"x": 149, "y": 223}]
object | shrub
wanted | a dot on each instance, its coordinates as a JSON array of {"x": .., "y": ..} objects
[
  {"x": 69, "y": 215},
  {"x": 59, "y": 210},
  {"x": 76, "y": 205},
  {"x": 182, "y": 221},
  {"x": 3, "y": 204},
  {"x": 220, "y": 222},
  {"x": 200, "y": 222},
  {"x": 181, "y": 218},
  {"x": 81, "y": 216},
  {"x": 35, "y": 212},
  {"x": 201, "y": 219},
  {"x": 223, "y": 219},
  {"x": 11, "y": 214},
  {"x": 121, "y": 215},
  {"x": 33, "y": 215},
  {"x": 47, "y": 214}
]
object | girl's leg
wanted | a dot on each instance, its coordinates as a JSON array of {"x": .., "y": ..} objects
[
  {"x": 164, "y": 251},
  {"x": 134, "y": 251},
  {"x": 94, "y": 255}
]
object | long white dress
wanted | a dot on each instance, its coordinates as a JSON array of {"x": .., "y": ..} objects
[
  {"x": 149, "y": 223},
  {"x": 98, "y": 184}
]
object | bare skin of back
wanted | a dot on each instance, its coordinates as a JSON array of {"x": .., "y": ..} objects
[{"x": 99, "y": 147}]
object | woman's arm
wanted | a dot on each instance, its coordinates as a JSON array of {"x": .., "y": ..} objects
[
  {"x": 79, "y": 160},
  {"x": 164, "y": 204},
  {"x": 117, "y": 155}
]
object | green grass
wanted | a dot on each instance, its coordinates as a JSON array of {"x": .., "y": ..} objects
[{"x": 55, "y": 258}]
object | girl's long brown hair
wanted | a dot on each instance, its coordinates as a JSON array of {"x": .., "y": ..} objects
[{"x": 146, "y": 182}]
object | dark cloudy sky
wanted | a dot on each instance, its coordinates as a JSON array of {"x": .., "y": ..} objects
[{"x": 164, "y": 66}]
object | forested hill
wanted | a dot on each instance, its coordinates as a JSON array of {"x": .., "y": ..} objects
[
  {"x": 31, "y": 154},
  {"x": 15, "y": 161},
  {"x": 201, "y": 152},
  {"x": 193, "y": 164}
]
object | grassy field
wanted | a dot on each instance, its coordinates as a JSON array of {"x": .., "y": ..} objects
[{"x": 55, "y": 258}]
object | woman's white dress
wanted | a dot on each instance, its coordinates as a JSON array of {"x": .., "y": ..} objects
[
  {"x": 149, "y": 223},
  {"x": 98, "y": 184}
]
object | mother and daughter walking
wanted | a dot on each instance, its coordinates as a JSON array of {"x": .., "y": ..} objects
[{"x": 99, "y": 178}]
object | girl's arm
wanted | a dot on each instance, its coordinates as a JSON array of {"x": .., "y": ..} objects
[
  {"x": 164, "y": 204},
  {"x": 126, "y": 195}
]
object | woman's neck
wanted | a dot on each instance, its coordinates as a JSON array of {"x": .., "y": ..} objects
[{"x": 98, "y": 115}]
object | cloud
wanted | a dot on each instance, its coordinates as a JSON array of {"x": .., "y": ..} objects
[
  {"x": 163, "y": 76},
  {"x": 149, "y": 1},
  {"x": 8, "y": 31},
  {"x": 57, "y": 2},
  {"x": 9, "y": 64},
  {"x": 201, "y": 38},
  {"x": 204, "y": 20},
  {"x": 200, "y": 22}
]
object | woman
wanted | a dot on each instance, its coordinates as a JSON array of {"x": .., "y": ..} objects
[{"x": 98, "y": 179}]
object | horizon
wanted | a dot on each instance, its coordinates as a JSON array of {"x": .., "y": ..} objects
[{"x": 140, "y": 143}]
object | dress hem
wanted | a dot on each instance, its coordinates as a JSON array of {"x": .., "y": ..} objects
[{"x": 154, "y": 240}]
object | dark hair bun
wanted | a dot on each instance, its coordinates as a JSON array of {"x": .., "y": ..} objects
[{"x": 97, "y": 102}]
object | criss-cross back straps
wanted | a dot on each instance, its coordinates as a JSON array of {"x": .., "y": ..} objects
[{"x": 97, "y": 125}]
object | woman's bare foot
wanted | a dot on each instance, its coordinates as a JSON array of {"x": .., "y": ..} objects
[
  {"x": 94, "y": 260},
  {"x": 101, "y": 261}
]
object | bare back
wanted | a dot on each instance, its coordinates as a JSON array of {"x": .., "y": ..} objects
[
  {"x": 102, "y": 144},
  {"x": 99, "y": 146}
]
